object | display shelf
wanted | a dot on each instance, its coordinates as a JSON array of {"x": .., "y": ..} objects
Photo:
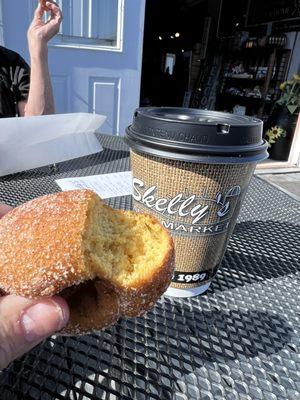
[{"x": 272, "y": 60}]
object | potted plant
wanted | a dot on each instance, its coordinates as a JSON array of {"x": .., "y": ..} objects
[
  {"x": 282, "y": 123},
  {"x": 273, "y": 134}
]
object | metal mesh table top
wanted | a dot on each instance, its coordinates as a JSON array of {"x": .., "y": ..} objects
[{"x": 239, "y": 341}]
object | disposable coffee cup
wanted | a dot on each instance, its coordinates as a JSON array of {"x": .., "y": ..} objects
[{"x": 191, "y": 169}]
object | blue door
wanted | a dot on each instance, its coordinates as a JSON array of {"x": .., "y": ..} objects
[{"x": 95, "y": 61}]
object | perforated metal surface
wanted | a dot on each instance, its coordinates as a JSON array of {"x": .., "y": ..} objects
[{"x": 239, "y": 341}]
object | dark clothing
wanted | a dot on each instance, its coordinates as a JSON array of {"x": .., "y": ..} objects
[{"x": 14, "y": 82}]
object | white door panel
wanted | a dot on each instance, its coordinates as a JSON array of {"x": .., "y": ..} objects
[
  {"x": 105, "y": 98},
  {"x": 95, "y": 66}
]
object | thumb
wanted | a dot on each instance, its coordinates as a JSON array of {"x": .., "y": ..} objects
[
  {"x": 4, "y": 209},
  {"x": 24, "y": 323}
]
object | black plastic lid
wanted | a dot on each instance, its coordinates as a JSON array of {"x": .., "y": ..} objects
[{"x": 194, "y": 135}]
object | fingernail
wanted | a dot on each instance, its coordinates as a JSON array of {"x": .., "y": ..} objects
[{"x": 43, "y": 319}]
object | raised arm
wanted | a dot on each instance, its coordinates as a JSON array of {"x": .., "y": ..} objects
[{"x": 40, "y": 99}]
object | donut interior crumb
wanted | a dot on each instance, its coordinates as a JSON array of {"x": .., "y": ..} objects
[{"x": 124, "y": 248}]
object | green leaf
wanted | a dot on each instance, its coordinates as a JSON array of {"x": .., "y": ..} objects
[{"x": 292, "y": 108}]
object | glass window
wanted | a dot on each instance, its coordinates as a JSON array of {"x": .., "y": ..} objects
[{"x": 91, "y": 22}]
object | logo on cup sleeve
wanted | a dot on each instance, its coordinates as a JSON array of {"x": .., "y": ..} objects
[{"x": 189, "y": 214}]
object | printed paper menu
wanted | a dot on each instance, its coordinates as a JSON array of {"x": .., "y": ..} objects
[{"x": 106, "y": 186}]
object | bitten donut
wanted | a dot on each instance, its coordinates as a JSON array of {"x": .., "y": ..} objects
[{"x": 106, "y": 263}]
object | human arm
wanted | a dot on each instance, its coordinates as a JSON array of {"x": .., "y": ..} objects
[{"x": 40, "y": 99}]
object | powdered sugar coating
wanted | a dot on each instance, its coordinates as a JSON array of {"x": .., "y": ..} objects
[{"x": 41, "y": 245}]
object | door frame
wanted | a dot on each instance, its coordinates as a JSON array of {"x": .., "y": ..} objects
[
  {"x": 294, "y": 157},
  {"x": 1, "y": 26}
]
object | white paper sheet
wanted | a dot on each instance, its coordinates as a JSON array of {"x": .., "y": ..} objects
[
  {"x": 32, "y": 142},
  {"x": 106, "y": 186}
]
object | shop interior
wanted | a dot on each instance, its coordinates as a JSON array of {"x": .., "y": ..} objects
[{"x": 226, "y": 55}]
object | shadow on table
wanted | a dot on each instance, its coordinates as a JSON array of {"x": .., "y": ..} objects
[
  {"x": 145, "y": 355},
  {"x": 77, "y": 165},
  {"x": 87, "y": 367},
  {"x": 216, "y": 340},
  {"x": 238, "y": 334},
  {"x": 259, "y": 250}
]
